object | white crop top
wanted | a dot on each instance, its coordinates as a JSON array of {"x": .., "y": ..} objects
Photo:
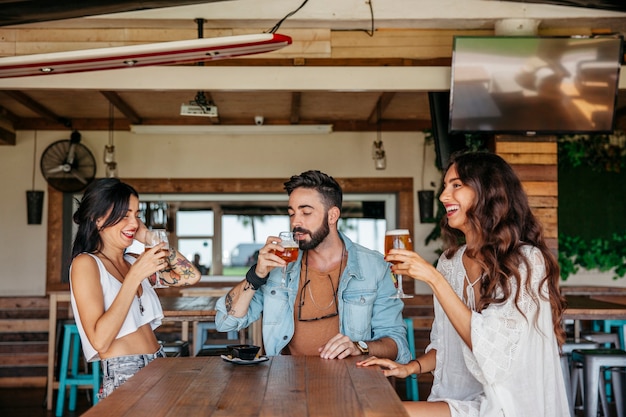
[{"x": 153, "y": 312}]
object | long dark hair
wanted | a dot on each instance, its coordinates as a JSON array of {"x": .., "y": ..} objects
[
  {"x": 103, "y": 197},
  {"x": 502, "y": 221}
]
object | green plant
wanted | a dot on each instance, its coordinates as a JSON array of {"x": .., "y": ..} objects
[
  {"x": 600, "y": 152},
  {"x": 601, "y": 254}
]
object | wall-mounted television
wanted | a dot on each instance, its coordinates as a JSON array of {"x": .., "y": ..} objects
[{"x": 534, "y": 85}]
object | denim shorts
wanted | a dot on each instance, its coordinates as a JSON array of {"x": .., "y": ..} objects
[{"x": 116, "y": 371}]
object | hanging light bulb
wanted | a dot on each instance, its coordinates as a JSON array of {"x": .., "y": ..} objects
[
  {"x": 378, "y": 151},
  {"x": 378, "y": 155},
  {"x": 111, "y": 170},
  {"x": 109, "y": 153},
  {"x": 109, "y": 150}
]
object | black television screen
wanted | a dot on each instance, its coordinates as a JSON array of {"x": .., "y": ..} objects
[{"x": 534, "y": 85}]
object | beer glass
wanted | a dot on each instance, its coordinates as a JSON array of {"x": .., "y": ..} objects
[
  {"x": 398, "y": 239},
  {"x": 153, "y": 238},
  {"x": 290, "y": 254}
]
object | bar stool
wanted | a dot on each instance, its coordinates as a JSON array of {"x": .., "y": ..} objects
[
  {"x": 607, "y": 326},
  {"x": 565, "y": 368},
  {"x": 70, "y": 377},
  {"x": 573, "y": 376},
  {"x": 175, "y": 348},
  {"x": 412, "y": 393},
  {"x": 609, "y": 341},
  {"x": 594, "y": 361},
  {"x": 201, "y": 329}
]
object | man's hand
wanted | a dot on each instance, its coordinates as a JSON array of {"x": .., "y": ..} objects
[
  {"x": 267, "y": 259},
  {"x": 339, "y": 347}
]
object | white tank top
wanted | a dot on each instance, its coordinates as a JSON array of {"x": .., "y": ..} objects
[{"x": 153, "y": 312}]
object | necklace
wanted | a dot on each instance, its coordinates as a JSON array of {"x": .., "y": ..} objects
[
  {"x": 141, "y": 309},
  {"x": 306, "y": 280},
  {"x": 470, "y": 296}
]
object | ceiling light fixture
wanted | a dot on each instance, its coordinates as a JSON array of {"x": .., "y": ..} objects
[
  {"x": 109, "y": 150},
  {"x": 232, "y": 129},
  {"x": 378, "y": 151}
]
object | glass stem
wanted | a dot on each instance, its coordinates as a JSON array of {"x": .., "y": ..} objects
[{"x": 399, "y": 278}]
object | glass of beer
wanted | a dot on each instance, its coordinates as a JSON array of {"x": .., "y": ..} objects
[
  {"x": 290, "y": 254},
  {"x": 153, "y": 238},
  {"x": 398, "y": 239}
]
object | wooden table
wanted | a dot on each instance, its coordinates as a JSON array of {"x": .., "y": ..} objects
[
  {"x": 180, "y": 309},
  {"x": 283, "y": 386},
  {"x": 583, "y": 307},
  {"x": 188, "y": 309}
]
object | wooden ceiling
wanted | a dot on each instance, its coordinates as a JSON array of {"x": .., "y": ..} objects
[{"x": 90, "y": 109}]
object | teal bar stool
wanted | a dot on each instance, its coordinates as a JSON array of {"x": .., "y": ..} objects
[
  {"x": 608, "y": 325},
  {"x": 412, "y": 393},
  {"x": 68, "y": 371}
]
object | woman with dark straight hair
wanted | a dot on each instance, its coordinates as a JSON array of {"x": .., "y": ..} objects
[
  {"x": 115, "y": 307},
  {"x": 495, "y": 339}
]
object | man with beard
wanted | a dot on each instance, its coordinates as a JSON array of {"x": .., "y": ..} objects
[{"x": 336, "y": 302}]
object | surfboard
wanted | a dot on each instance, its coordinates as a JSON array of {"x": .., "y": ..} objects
[{"x": 162, "y": 53}]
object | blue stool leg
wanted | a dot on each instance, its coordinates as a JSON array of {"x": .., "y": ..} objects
[
  {"x": 412, "y": 392},
  {"x": 63, "y": 372},
  {"x": 95, "y": 371},
  {"x": 74, "y": 372}
]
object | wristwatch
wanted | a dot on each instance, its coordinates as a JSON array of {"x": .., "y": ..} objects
[{"x": 362, "y": 346}]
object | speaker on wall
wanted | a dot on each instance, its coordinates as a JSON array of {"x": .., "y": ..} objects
[{"x": 445, "y": 143}]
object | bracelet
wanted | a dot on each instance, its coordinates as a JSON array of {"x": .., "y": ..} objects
[
  {"x": 420, "y": 365},
  {"x": 254, "y": 280}
]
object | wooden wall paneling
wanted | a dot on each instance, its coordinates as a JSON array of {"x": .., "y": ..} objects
[{"x": 535, "y": 161}]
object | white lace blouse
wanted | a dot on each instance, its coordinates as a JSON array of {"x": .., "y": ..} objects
[{"x": 513, "y": 369}]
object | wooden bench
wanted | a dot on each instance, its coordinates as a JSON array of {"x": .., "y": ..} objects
[{"x": 23, "y": 341}]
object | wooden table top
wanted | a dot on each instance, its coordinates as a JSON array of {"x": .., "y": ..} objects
[
  {"x": 580, "y": 307},
  {"x": 283, "y": 386},
  {"x": 182, "y": 307}
]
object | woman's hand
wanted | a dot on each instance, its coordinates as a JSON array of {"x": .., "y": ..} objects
[
  {"x": 409, "y": 263},
  {"x": 390, "y": 368},
  {"x": 149, "y": 262}
]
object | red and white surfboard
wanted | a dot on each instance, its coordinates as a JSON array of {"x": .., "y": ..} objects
[{"x": 163, "y": 53}]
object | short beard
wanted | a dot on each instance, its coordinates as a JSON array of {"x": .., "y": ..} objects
[{"x": 317, "y": 237}]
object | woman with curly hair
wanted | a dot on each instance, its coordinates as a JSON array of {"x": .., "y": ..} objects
[{"x": 495, "y": 340}]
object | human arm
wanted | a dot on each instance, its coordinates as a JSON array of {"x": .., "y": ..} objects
[
  {"x": 238, "y": 299},
  {"x": 178, "y": 271},
  {"x": 88, "y": 295},
  {"x": 421, "y": 365},
  {"x": 411, "y": 264},
  {"x": 340, "y": 346},
  {"x": 368, "y": 311}
]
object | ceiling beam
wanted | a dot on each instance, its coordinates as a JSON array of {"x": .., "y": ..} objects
[
  {"x": 122, "y": 106},
  {"x": 381, "y": 105},
  {"x": 35, "y": 107},
  {"x": 296, "y": 99},
  {"x": 122, "y": 124}
]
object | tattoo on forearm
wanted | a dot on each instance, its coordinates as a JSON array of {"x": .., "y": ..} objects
[
  {"x": 229, "y": 303},
  {"x": 247, "y": 286}
]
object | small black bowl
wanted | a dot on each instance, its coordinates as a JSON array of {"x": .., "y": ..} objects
[{"x": 243, "y": 352}]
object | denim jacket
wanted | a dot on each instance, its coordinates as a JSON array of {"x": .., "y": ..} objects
[{"x": 365, "y": 310}]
